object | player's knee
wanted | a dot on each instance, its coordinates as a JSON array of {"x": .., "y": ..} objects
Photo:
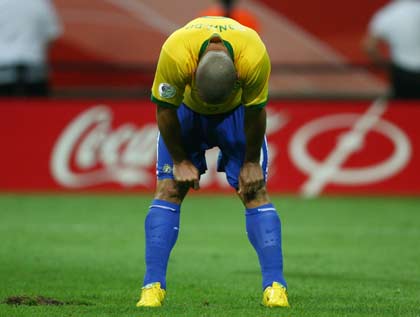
[
  {"x": 168, "y": 190},
  {"x": 255, "y": 199}
]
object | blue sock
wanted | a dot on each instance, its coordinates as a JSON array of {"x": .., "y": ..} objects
[
  {"x": 264, "y": 232},
  {"x": 161, "y": 227}
]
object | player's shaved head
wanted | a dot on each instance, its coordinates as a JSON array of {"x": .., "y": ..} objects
[{"x": 215, "y": 77}]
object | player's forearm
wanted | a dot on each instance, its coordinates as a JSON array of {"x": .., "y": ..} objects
[
  {"x": 255, "y": 124},
  {"x": 170, "y": 130}
]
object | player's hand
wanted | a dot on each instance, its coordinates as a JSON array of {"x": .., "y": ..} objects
[
  {"x": 186, "y": 174},
  {"x": 251, "y": 178}
]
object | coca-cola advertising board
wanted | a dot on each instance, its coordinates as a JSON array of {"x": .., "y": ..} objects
[{"x": 315, "y": 147}]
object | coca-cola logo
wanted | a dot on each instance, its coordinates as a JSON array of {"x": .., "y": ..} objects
[{"x": 89, "y": 152}]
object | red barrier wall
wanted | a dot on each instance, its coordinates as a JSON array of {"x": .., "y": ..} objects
[{"x": 315, "y": 147}]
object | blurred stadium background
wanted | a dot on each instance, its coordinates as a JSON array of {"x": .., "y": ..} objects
[
  {"x": 70, "y": 231},
  {"x": 315, "y": 49}
]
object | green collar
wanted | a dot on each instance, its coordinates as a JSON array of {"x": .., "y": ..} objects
[{"x": 207, "y": 42}]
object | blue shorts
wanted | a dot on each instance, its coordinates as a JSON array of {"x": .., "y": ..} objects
[{"x": 202, "y": 132}]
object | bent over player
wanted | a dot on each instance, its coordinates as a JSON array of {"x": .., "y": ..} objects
[{"x": 210, "y": 87}]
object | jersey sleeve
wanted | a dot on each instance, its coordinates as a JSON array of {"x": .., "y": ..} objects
[
  {"x": 169, "y": 82},
  {"x": 255, "y": 84}
]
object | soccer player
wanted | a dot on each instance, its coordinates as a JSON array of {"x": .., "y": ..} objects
[{"x": 210, "y": 87}]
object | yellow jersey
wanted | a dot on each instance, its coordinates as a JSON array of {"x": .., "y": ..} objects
[{"x": 174, "y": 81}]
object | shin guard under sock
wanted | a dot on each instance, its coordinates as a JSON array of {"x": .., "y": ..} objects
[
  {"x": 161, "y": 227},
  {"x": 264, "y": 232}
]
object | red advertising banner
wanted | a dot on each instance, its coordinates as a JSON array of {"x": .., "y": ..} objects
[{"x": 315, "y": 147}]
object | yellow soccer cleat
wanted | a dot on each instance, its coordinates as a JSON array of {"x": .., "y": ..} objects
[
  {"x": 275, "y": 296},
  {"x": 152, "y": 295}
]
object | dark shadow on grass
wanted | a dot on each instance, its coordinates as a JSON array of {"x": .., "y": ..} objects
[{"x": 41, "y": 301}]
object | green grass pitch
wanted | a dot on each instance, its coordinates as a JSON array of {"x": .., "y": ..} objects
[{"x": 344, "y": 256}]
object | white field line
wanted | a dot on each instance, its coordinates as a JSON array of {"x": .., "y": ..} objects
[
  {"x": 96, "y": 17},
  {"x": 146, "y": 14},
  {"x": 294, "y": 31},
  {"x": 348, "y": 143}
]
